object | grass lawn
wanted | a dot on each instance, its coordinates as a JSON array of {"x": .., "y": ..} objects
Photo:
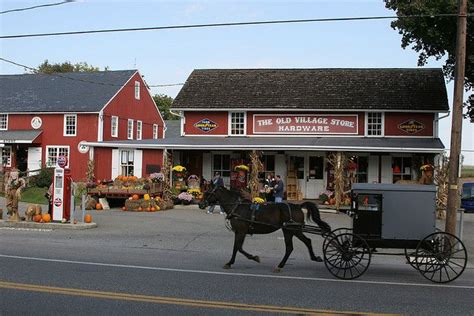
[
  {"x": 467, "y": 172},
  {"x": 34, "y": 195}
]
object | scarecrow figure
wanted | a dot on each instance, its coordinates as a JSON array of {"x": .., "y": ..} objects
[
  {"x": 13, "y": 188},
  {"x": 427, "y": 174}
]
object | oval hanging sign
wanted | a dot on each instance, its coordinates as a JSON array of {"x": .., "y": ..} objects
[
  {"x": 36, "y": 122},
  {"x": 62, "y": 161},
  {"x": 82, "y": 148}
]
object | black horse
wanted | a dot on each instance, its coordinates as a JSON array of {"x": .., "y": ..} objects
[{"x": 269, "y": 217}]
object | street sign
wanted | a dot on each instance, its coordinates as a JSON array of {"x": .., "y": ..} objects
[{"x": 62, "y": 161}]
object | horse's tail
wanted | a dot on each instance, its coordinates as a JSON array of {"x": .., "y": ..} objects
[{"x": 313, "y": 214}]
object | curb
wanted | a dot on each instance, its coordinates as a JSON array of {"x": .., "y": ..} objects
[{"x": 78, "y": 226}]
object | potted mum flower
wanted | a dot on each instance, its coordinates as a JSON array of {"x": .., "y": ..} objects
[{"x": 185, "y": 198}]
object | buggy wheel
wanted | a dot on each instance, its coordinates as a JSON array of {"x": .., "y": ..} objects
[
  {"x": 441, "y": 257},
  {"x": 346, "y": 256},
  {"x": 411, "y": 258},
  {"x": 335, "y": 232}
]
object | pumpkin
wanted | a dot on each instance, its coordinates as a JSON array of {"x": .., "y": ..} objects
[
  {"x": 140, "y": 209},
  {"x": 124, "y": 208},
  {"x": 46, "y": 218},
  {"x": 98, "y": 206},
  {"x": 135, "y": 197},
  {"x": 146, "y": 197},
  {"x": 37, "y": 218},
  {"x": 152, "y": 209},
  {"x": 88, "y": 218},
  {"x": 157, "y": 208}
]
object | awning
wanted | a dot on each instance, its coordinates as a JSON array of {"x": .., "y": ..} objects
[
  {"x": 19, "y": 136},
  {"x": 350, "y": 144}
]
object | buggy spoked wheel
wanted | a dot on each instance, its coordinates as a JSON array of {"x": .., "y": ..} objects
[
  {"x": 441, "y": 257},
  {"x": 411, "y": 258},
  {"x": 335, "y": 232},
  {"x": 346, "y": 256}
]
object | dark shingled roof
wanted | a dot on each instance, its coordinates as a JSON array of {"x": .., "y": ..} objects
[
  {"x": 16, "y": 136},
  {"x": 65, "y": 92},
  {"x": 319, "y": 89}
]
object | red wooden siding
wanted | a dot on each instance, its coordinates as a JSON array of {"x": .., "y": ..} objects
[
  {"x": 217, "y": 117},
  {"x": 103, "y": 163},
  {"x": 392, "y": 120},
  {"x": 151, "y": 157},
  {"x": 52, "y": 135},
  {"x": 125, "y": 106}
]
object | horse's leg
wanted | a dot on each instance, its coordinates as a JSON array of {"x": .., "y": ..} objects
[
  {"x": 289, "y": 248},
  {"x": 249, "y": 256},
  {"x": 238, "y": 242},
  {"x": 308, "y": 244}
]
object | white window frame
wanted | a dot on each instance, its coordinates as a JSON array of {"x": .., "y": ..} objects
[
  {"x": 155, "y": 131},
  {"x": 230, "y": 123},
  {"x": 114, "y": 131},
  {"x": 6, "y": 122},
  {"x": 382, "y": 118},
  {"x": 139, "y": 130},
  {"x": 9, "y": 158},
  {"x": 130, "y": 129},
  {"x": 58, "y": 147},
  {"x": 128, "y": 154},
  {"x": 137, "y": 90},
  {"x": 66, "y": 116}
]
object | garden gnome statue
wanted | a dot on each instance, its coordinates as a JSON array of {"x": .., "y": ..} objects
[
  {"x": 427, "y": 176},
  {"x": 13, "y": 189}
]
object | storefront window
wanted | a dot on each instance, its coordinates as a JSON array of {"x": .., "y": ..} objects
[
  {"x": 222, "y": 165},
  {"x": 6, "y": 156},
  {"x": 53, "y": 154},
  {"x": 237, "y": 123},
  {"x": 401, "y": 168},
  {"x": 126, "y": 162},
  {"x": 357, "y": 169},
  {"x": 268, "y": 165}
]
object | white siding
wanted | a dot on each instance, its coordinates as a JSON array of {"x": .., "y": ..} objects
[
  {"x": 387, "y": 173},
  {"x": 207, "y": 166},
  {"x": 115, "y": 163},
  {"x": 280, "y": 166},
  {"x": 373, "y": 170}
]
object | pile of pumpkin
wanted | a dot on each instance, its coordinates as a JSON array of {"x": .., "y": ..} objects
[
  {"x": 34, "y": 213},
  {"x": 147, "y": 204}
]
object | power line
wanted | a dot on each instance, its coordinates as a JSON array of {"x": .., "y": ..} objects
[
  {"x": 171, "y": 27},
  {"x": 35, "y": 70},
  {"x": 37, "y": 6}
]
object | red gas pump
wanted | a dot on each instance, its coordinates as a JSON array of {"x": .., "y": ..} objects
[{"x": 62, "y": 191}]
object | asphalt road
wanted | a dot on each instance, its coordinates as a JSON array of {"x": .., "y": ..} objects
[{"x": 170, "y": 263}]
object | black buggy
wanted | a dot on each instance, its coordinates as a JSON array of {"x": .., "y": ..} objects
[{"x": 393, "y": 216}]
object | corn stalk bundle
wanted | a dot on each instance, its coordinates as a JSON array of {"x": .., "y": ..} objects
[
  {"x": 339, "y": 162},
  {"x": 257, "y": 167},
  {"x": 90, "y": 170},
  {"x": 167, "y": 193},
  {"x": 441, "y": 179}
]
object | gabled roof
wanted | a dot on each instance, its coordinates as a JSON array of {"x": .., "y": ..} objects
[
  {"x": 419, "y": 89},
  {"x": 62, "y": 92}
]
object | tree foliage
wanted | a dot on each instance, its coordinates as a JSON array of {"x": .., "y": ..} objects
[
  {"x": 163, "y": 102},
  {"x": 67, "y": 66},
  {"x": 435, "y": 36}
]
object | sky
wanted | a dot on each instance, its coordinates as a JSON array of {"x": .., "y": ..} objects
[{"x": 169, "y": 56}]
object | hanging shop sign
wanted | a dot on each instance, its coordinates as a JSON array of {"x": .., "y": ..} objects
[
  {"x": 411, "y": 126},
  {"x": 36, "y": 122},
  {"x": 82, "y": 148},
  {"x": 305, "y": 124},
  {"x": 206, "y": 125}
]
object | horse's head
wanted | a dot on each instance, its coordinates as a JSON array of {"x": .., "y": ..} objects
[{"x": 209, "y": 197}]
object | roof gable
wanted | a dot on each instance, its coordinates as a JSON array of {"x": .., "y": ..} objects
[
  {"x": 62, "y": 92},
  {"x": 315, "y": 89}
]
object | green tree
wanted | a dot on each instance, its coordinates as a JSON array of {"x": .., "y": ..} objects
[
  {"x": 435, "y": 36},
  {"x": 67, "y": 66},
  {"x": 163, "y": 102}
]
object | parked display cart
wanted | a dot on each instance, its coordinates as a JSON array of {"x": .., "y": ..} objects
[
  {"x": 396, "y": 217},
  {"x": 111, "y": 191}
]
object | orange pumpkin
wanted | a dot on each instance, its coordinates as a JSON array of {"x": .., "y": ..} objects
[
  {"x": 37, "y": 218},
  {"x": 140, "y": 209},
  {"x": 46, "y": 218},
  {"x": 124, "y": 208},
  {"x": 152, "y": 209},
  {"x": 98, "y": 206},
  {"x": 135, "y": 197},
  {"x": 88, "y": 218}
]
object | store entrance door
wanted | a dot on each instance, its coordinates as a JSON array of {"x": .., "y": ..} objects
[{"x": 314, "y": 176}]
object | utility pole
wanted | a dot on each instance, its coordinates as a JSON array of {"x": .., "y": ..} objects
[{"x": 456, "y": 126}]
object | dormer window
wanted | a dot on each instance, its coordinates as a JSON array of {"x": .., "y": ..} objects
[
  {"x": 374, "y": 125},
  {"x": 237, "y": 123}
]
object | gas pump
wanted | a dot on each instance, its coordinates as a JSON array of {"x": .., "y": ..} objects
[{"x": 62, "y": 191}]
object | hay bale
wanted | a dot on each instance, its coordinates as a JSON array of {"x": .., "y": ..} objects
[
  {"x": 132, "y": 205},
  {"x": 90, "y": 203}
]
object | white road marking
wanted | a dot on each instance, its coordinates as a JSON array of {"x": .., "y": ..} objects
[
  {"x": 26, "y": 229},
  {"x": 268, "y": 276}
]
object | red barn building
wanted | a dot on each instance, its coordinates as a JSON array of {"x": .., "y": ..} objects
[
  {"x": 384, "y": 120},
  {"x": 44, "y": 116}
]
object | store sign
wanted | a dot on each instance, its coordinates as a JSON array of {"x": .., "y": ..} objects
[
  {"x": 206, "y": 125},
  {"x": 305, "y": 124},
  {"x": 82, "y": 148},
  {"x": 62, "y": 161},
  {"x": 411, "y": 126}
]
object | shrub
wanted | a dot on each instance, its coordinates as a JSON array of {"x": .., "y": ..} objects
[{"x": 43, "y": 179}]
